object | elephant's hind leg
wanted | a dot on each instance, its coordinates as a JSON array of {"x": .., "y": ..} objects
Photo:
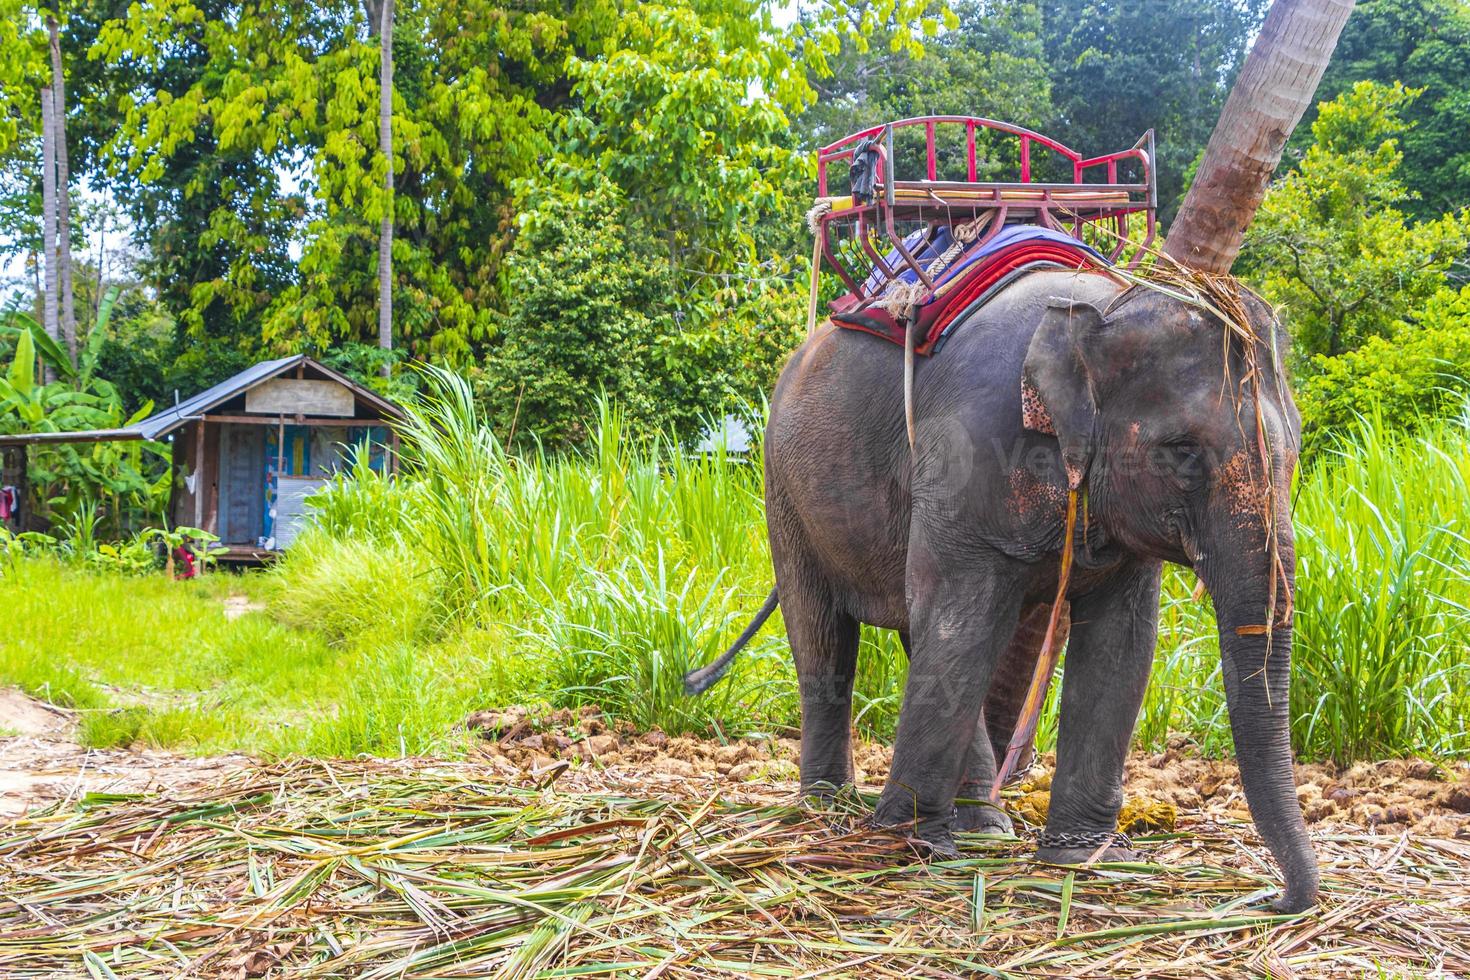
[
  {"x": 1012, "y": 678},
  {"x": 824, "y": 643},
  {"x": 973, "y": 811}
]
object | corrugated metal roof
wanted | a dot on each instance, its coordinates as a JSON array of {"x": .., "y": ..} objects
[{"x": 160, "y": 424}]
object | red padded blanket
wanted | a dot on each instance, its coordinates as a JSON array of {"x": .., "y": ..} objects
[{"x": 981, "y": 281}]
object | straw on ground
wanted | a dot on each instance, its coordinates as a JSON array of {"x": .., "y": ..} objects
[{"x": 433, "y": 869}]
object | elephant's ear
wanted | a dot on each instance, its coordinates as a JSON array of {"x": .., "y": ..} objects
[{"x": 1056, "y": 389}]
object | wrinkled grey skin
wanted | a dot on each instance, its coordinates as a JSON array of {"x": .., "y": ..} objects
[{"x": 956, "y": 543}]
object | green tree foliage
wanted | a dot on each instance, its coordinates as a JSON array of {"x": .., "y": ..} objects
[
  {"x": 1330, "y": 244},
  {"x": 24, "y": 68},
  {"x": 989, "y": 64},
  {"x": 668, "y": 119},
  {"x": 214, "y": 217},
  {"x": 136, "y": 351},
  {"x": 1423, "y": 372},
  {"x": 1425, "y": 44},
  {"x": 592, "y": 308},
  {"x": 489, "y": 97},
  {"x": 243, "y": 140},
  {"x": 1118, "y": 69}
]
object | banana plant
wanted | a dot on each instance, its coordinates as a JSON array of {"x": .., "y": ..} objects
[
  {"x": 79, "y": 373},
  {"x": 63, "y": 476}
]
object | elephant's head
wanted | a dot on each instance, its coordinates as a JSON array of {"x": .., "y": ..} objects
[{"x": 1182, "y": 434}]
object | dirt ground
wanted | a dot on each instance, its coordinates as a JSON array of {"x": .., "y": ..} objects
[
  {"x": 41, "y": 763},
  {"x": 1391, "y": 796}
]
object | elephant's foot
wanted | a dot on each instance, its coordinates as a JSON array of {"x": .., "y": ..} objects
[
  {"x": 1079, "y": 848},
  {"x": 935, "y": 843},
  {"x": 933, "y": 834},
  {"x": 981, "y": 816},
  {"x": 1292, "y": 905}
]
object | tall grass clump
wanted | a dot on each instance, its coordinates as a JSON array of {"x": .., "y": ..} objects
[
  {"x": 607, "y": 573},
  {"x": 461, "y": 471},
  {"x": 625, "y": 639},
  {"x": 347, "y": 588},
  {"x": 1382, "y": 659}
]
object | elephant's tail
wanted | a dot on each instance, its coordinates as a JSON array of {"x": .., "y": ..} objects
[{"x": 699, "y": 681}]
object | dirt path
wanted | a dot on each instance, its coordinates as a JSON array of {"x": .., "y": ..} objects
[{"x": 41, "y": 762}]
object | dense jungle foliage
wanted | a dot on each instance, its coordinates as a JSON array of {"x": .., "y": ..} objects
[{"x": 608, "y": 197}]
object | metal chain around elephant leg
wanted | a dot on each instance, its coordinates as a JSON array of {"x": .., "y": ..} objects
[{"x": 1084, "y": 840}]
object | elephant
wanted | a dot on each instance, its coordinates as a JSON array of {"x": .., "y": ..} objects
[{"x": 1179, "y": 435}]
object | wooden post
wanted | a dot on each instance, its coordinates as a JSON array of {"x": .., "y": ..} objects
[
  {"x": 171, "y": 513},
  {"x": 280, "y": 471},
  {"x": 199, "y": 474},
  {"x": 13, "y": 466},
  {"x": 29, "y": 521}
]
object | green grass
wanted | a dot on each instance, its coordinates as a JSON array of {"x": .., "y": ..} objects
[
  {"x": 157, "y": 663},
  {"x": 480, "y": 578}
]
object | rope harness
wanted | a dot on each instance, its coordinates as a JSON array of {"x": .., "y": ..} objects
[{"x": 1046, "y": 663}]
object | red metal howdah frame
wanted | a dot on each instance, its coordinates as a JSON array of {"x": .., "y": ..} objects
[{"x": 1065, "y": 207}]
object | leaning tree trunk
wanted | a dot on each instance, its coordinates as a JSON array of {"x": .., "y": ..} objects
[
  {"x": 63, "y": 192},
  {"x": 1275, "y": 87},
  {"x": 50, "y": 318},
  {"x": 385, "y": 147}
]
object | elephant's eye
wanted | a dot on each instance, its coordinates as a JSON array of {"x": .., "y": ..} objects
[{"x": 1182, "y": 460}]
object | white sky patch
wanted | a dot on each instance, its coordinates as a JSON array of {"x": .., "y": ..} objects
[{"x": 109, "y": 240}]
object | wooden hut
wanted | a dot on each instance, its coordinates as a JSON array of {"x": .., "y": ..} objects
[{"x": 249, "y": 451}]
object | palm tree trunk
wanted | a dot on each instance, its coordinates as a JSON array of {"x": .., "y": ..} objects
[
  {"x": 1275, "y": 87},
  {"x": 385, "y": 147},
  {"x": 63, "y": 189},
  {"x": 50, "y": 315}
]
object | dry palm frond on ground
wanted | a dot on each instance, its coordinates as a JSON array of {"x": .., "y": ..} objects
[{"x": 435, "y": 869}]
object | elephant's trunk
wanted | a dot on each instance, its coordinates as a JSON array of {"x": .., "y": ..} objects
[{"x": 1255, "y": 650}]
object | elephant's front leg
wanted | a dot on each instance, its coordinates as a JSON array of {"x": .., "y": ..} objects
[
  {"x": 973, "y": 811},
  {"x": 1108, "y": 662},
  {"x": 961, "y": 615}
]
